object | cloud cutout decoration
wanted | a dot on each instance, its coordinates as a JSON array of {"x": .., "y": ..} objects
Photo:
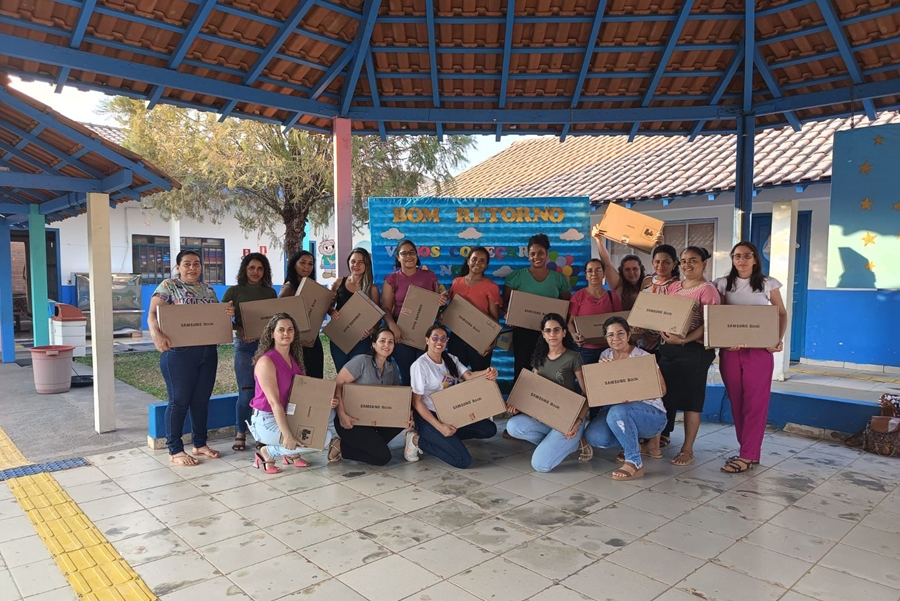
[
  {"x": 503, "y": 271},
  {"x": 470, "y": 233},
  {"x": 393, "y": 234},
  {"x": 571, "y": 235}
]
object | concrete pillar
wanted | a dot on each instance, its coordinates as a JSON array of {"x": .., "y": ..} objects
[
  {"x": 37, "y": 250},
  {"x": 174, "y": 242},
  {"x": 743, "y": 189},
  {"x": 7, "y": 334},
  {"x": 342, "y": 146},
  {"x": 781, "y": 267},
  {"x": 100, "y": 268}
]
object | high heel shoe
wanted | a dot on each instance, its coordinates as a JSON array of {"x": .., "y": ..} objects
[
  {"x": 268, "y": 464},
  {"x": 297, "y": 460}
]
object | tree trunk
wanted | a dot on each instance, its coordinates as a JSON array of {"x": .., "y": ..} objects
[{"x": 294, "y": 227}]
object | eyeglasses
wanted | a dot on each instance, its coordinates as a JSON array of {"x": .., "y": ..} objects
[
  {"x": 439, "y": 339},
  {"x": 745, "y": 256},
  {"x": 593, "y": 271},
  {"x": 556, "y": 330},
  {"x": 407, "y": 253},
  {"x": 613, "y": 335}
]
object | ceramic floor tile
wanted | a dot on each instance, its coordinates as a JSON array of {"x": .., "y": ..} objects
[
  {"x": 148, "y": 480},
  {"x": 223, "y": 481},
  {"x": 389, "y": 579},
  {"x": 204, "y": 468},
  {"x": 8, "y": 590},
  {"x": 93, "y": 491},
  {"x": 656, "y": 561},
  {"x": 496, "y": 534},
  {"x": 277, "y": 577},
  {"x": 596, "y": 539},
  {"x": 217, "y": 588},
  {"x": 690, "y": 540},
  {"x": 451, "y": 484},
  {"x": 793, "y": 596},
  {"x": 607, "y": 488},
  {"x": 201, "y": 506},
  {"x": 492, "y": 499},
  {"x": 668, "y": 506},
  {"x": 344, "y": 553},
  {"x": 762, "y": 564},
  {"x": 530, "y": 486},
  {"x": 447, "y": 555},
  {"x": 24, "y": 551},
  {"x": 103, "y": 459},
  {"x": 863, "y": 564},
  {"x": 611, "y": 582},
  {"x": 521, "y": 462},
  {"x": 38, "y": 577},
  {"x": 879, "y": 519},
  {"x": 750, "y": 507},
  {"x": 164, "y": 576},
  {"x": 874, "y": 540},
  {"x": 361, "y": 513},
  {"x": 539, "y": 517},
  {"x": 443, "y": 591},
  {"x": 306, "y": 531},
  {"x": 768, "y": 490},
  {"x": 298, "y": 482},
  {"x": 691, "y": 491},
  {"x": 375, "y": 484},
  {"x": 214, "y": 528},
  {"x": 252, "y": 494},
  {"x": 673, "y": 594},
  {"x": 812, "y": 523},
  {"x": 244, "y": 550},
  {"x": 275, "y": 511},
  {"x": 825, "y": 584},
  {"x": 566, "y": 474},
  {"x": 832, "y": 507},
  {"x": 61, "y": 594},
  {"x": 109, "y": 507},
  {"x": 720, "y": 521},
  {"x": 401, "y": 532},
  {"x": 329, "y": 497},
  {"x": 449, "y": 516},
  {"x": 79, "y": 476},
  {"x": 801, "y": 479},
  {"x": 152, "y": 546},
  {"x": 787, "y": 542},
  {"x": 558, "y": 592},
  {"x": 330, "y": 589},
  {"x": 716, "y": 583},
  {"x": 125, "y": 526},
  {"x": 576, "y": 502},
  {"x": 549, "y": 558},
  {"x": 501, "y": 579},
  {"x": 134, "y": 465},
  {"x": 492, "y": 473},
  {"x": 165, "y": 494},
  {"x": 19, "y": 527},
  {"x": 417, "y": 472},
  {"x": 863, "y": 496},
  {"x": 409, "y": 498}
]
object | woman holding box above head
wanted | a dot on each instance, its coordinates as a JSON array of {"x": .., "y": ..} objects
[
  {"x": 361, "y": 279},
  {"x": 593, "y": 299},
  {"x": 747, "y": 372},
  {"x": 629, "y": 279},
  {"x": 393, "y": 294},
  {"x": 254, "y": 283},
  {"x": 432, "y": 372},
  {"x": 625, "y": 424},
  {"x": 189, "y": 371},
  {"x": 552, "y": 360},
  {"x": 368, "y": 444},
  {"x": 684, "y": 361},
  {"x": 538, "y": 279},
  {"x": 472, "y": 285},
  {"x": 302, "y": 264}
]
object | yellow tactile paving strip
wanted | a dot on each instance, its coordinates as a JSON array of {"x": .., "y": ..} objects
[
  {"x": 10, "y": 456},
  {"x": 817, "y": 372}
]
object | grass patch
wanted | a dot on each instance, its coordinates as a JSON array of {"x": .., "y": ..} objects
[{"x": 141, "y": 370}]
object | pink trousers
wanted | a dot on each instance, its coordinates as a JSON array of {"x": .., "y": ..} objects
[{"x": 747, "y": 374}]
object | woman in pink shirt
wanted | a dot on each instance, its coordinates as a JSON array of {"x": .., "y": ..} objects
[
  {"x": 472, "y": 285},
  {"x": 593, "y": 299}
]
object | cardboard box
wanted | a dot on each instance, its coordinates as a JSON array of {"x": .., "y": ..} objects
[
  {"x": 613, "y": 382},
  {"x": 420, "y": 308},
  {"x": 309, "y": 411},
  {"x": 358, "y": 315},
  {"x": 474, "y": 327},
  {"x": 372, "y": 405},
  {"x": 468, "y": 402},
  {"x": 195, "y": 325},
  {"x": 591, "y": 326},
  {"x": 751, "y": 326},
  {"x": 630, "y": 227},
  {"x": 255, "y": 315},
  {"x": 318, "y": 301},
  {"x": 545, "y": 401},
  {"x": 526, "y": 310},
  {"x": 663, "y": 313}
]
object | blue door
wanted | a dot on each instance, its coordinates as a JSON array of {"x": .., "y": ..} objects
[{"x": 760, "y": 231}]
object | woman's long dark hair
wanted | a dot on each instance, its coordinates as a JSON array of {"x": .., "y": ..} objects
[
  {"x": 267, "y": 343},
  {"x": 673, "y": 254},
  {"x": 448, "y": 362},
  {"x": 757, "y": 279},
  {"x": 267, "y": 270},
  {"x": 630, "y": 290},
  {"x": 374, "y": 337},
  {"x": 291, "y": 276},
  {"x": 464, "y": 270},
  {"x": 542, "y": 349},
  {"x": 403, "y": 243}
]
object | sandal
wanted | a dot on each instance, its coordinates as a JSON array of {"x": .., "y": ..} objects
[
  {"x": 737, "y": 466},
  {"x": 585, "y": 451},
  {"x": 733, "y": 457},
  {"x": 620, "y": 458},
  {"x": 206, "y": 452},
  {"x": 183, "y": 459},
  {"x": 652, "y": 455},
  {"x": 296, "y": 459},
  {"x": 628, "y": 471},
  {"x": 334, "y": 450},
  {"x": 664, "y": 441},
  {"x": 682, "y": 459},
  {"x": 240, "y": 443}
]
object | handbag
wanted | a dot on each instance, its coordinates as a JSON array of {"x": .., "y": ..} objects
[{"x": 882, "y": 435}]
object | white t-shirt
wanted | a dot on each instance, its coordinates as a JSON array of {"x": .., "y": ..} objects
[
  {"x": 636, "y": 352},
  {"x": 743, "y": 294},
  {"x": 427, "y": 377}
]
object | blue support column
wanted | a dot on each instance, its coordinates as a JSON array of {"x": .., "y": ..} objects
[
  {"x": 743, "y": 188},
  {"x": 37, "y": 245},
  {"x": 7, "y": 337}
]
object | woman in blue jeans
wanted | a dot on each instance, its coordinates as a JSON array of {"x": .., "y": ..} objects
[
  {"x": 628, "y": 422},
  {"x": 254, "y": 283},
  {"x": 189, "y": 371},
  {"x": 434, "y": 371}
]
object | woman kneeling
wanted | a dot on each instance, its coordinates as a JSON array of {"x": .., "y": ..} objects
[{"x": 626, "y": 423}]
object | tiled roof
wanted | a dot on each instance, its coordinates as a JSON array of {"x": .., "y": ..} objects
[
  {"x": 113, "y": 134},
  {"x": 611, "y": 169}
]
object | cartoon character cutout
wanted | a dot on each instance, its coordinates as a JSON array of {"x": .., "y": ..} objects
[{"x": 328, "y": 264}]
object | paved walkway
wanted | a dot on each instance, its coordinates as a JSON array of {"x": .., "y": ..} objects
[{"x": 815, "y": 521}]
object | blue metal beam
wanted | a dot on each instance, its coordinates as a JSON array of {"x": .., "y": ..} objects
[
  {"x": 7, "y": 335},
  {"x": 432, "y": 63},
  {"x": 336, "y": 70},
  {"x": 36, "y": 181},
  {"x": 363, "y": 39},
  {"x": 763, "y": 69},
  {"x": 8, "y": 208},
  {"x": 749, "y": 50},
  {"x": 664, "y": 61},
  {"x": 837, "y": 32},
  {"x": 77, "y": 35},
  {"x": 373, "y": 85},
  {"x": 287, "y": 28},
  {"x": 878, "y": 89},
  {"x": 743, "y": 189},
  {"x": 507, "y": 48},
  {"x": 72, "y": 200},
  {"x": 65, "y": 159},
  {"x": 586, "y": 62},
  {"x": 527, "y": 50}
]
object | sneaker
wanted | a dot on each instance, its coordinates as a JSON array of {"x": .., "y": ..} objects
[{"x": 411, "y": 451}]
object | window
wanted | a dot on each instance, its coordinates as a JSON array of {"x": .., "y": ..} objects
[
  {"x": 150, "y": 257},
  {"x": 679, "y": 234}
]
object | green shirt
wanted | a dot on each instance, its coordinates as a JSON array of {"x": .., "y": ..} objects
[
  {"x": 562, "y": 369},
  {"x": 552, "y": 286},
  {"x": 247, "y": 293}
]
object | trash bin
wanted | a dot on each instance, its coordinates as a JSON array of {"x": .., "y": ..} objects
[
  {"x": 52, "y": 366},
  {"x": 68, "y": 326}
]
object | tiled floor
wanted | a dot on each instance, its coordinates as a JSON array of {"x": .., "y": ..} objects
[{"x": 817, "y": 521}]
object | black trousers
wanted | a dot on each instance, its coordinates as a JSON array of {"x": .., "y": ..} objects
[
  {"x": 523, "y": 342},
  {"x": 314, "y": 360},
  {"x": 366, "y": 444},
  {"x": 467, "y": 355}
]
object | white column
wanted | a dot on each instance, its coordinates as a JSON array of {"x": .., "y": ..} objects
[
  {"x": 100, "y": 268},
  {"x": 781, "y": 267},
  {"x": 174, "y": 241}
]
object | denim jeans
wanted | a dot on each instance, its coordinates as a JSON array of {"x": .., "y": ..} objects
[
  {"x": 624, "y": 425},
  {"x": 340, "y": 357},
  {"x": 589, "y": 355},
  {"x": 552, "y": 445},
  {"x": 265, "y": 430},
  {"x": 190, "y": 374},
  {"x": 243, "y": 373},
  {"x": 405, "y": 356},
  {"x": 450, "y": 449}
]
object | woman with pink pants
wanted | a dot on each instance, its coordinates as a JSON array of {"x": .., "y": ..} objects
[{"x": 747, "y": 372}]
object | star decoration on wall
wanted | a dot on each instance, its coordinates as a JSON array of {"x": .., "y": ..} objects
[
  {"x": 870, "y": 266},
  {"x": 878, "y": 140},
  {"x": 897, "y": 206},
  {"x": 865, "y": 168},
  {"x": 866, "y": 204},
  {"x": 868, "y": 239}
]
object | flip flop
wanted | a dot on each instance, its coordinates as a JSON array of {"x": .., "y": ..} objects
[
  {"x": 683, "y": 462},
  {"x": 183, "y": 459},
  {"x": 206, "y": 452}
]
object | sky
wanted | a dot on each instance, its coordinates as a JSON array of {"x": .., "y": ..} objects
[{"x": 82, "y": 106}]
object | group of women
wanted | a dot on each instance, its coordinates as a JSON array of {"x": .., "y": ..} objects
[{"x": 265, "y": 368}]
